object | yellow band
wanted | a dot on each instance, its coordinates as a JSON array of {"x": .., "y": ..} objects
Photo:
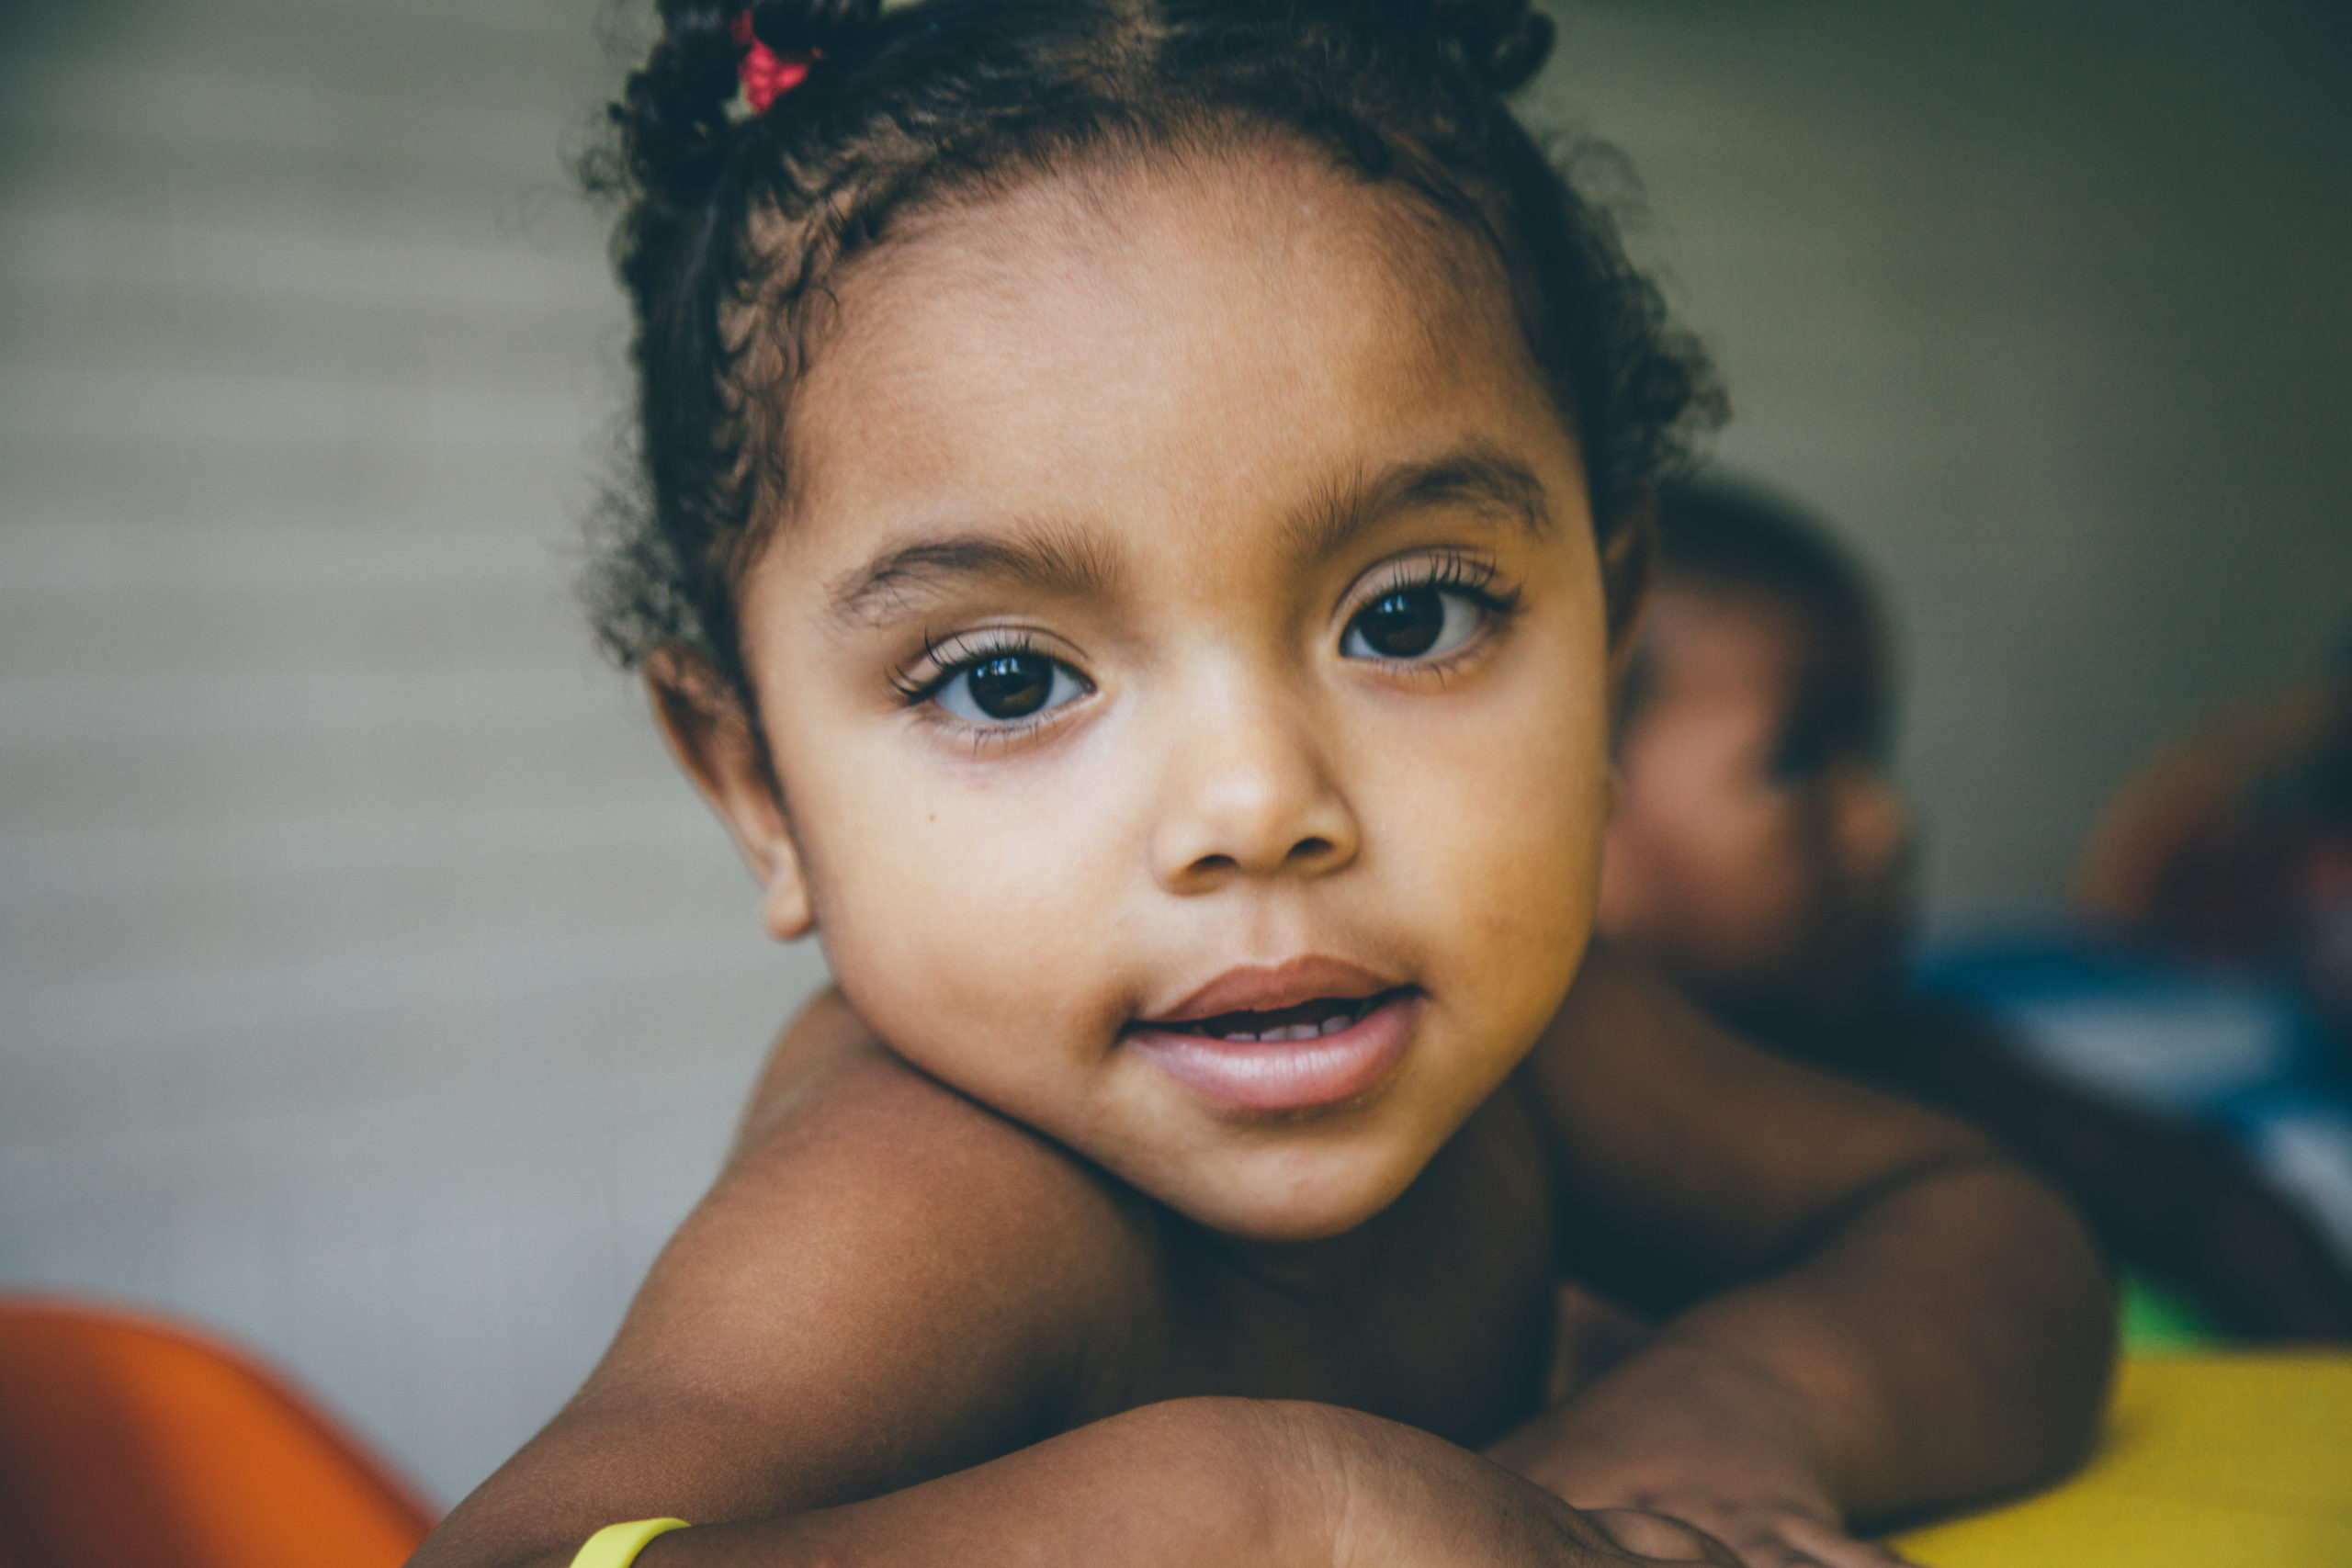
[{"x": 616, "y": 1546}]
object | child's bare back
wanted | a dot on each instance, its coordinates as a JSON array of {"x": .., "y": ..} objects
[{"x": 1147, "y": 510}]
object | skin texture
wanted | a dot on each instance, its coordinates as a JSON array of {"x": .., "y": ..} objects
[
  {"x": 1208, "y": 804},
  {"x": 1004, "y": 1290},
  {"x": 1777, "y": 892}
]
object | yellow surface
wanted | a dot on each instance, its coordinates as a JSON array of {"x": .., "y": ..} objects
[{"x": 2231, "y": 1461}]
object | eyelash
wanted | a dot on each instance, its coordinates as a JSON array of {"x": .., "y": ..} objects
[
  {"x": 956, "y": 656},
  {"x": 1451, "y": 572},
  {"x": 945, "y": 660}
]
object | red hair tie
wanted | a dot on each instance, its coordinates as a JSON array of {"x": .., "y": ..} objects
[{"x": 765, "y": 74}]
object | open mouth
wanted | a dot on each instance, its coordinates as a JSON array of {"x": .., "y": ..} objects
[
  {"x": 1307, "y": 1020},
  {"x": 1317, "y": 1053}
]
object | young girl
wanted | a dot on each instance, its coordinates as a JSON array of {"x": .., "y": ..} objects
[{"x": 1146, "y": 510}]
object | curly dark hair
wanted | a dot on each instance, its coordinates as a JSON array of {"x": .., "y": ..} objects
[{"x": 735, "y": 224}]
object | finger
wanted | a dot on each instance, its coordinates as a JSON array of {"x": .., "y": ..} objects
[
  {"x": 1777, "y": 1554},
  {"x": 1834, "y": 1548},
  {"x": 1771, "y": 1550},
  {"x": 1661, "y": 1538}
]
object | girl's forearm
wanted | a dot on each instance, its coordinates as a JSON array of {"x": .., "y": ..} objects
[
  {"x": 1948, "y": 1342},
  {"x": 1953, "y": 1338},
  {"x": 1189, "y": 1481},
  {"x": 1228, "y": 1483}
]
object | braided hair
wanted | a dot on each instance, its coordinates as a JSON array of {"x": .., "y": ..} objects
[{"x": 735, "y": 222}]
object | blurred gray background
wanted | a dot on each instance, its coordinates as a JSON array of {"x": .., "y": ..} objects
[{"x": 371, "y": 988}]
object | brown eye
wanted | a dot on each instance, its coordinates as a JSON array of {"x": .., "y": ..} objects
[
  {"x": 1005, "y": 688},
  {"x": 1412, "y": 623}
]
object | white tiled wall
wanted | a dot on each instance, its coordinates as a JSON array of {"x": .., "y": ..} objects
[
  {"x": 370, "y": 985},
  {"x": 371, "y": 988},
  {"x": 2046, "y": 301}
]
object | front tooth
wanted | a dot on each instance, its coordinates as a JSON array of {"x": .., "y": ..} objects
[
  {"x": 1302, "y": 1031},
  {"x": 1336, "y": 1022},
  {"x": 1241, "y": 1037}
]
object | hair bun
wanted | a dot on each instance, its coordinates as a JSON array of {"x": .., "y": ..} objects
[
  {"x": 1503, "y": 42},
  {"x": 813, "y": 27},
  {"x": 675, "y": 113}
]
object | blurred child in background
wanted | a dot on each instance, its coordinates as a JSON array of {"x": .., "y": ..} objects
[{"x": 1760, "y": 855}]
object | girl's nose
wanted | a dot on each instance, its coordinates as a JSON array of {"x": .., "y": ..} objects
[{"x": 1249, "y": 794}]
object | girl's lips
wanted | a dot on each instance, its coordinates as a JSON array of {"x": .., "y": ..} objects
[
  {"x": 1286, "y": 1075},
  {"x": 1267, "y": 988}
]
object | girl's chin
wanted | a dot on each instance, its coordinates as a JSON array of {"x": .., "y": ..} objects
[{"x": 1286, "y": 1195}]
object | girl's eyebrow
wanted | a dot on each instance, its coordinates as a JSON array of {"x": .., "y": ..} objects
[
  {"x": 1069, "y": 565},
  {"x": 1059, "y": 562},
  {"x": 1478, "y": 478}
]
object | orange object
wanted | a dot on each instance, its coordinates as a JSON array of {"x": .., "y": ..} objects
[{"x": 129, "y": 1442}]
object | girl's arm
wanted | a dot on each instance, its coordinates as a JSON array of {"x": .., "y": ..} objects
[
  {"x": 861, "y": 1346},
  {"x": 1218, "y": 1483},
  {"x": 2175, "y": 1200},
  {"x": 1872, "y": 1310}
]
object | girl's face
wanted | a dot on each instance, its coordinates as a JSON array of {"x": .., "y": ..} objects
[{"x": 1183, "y": 664}]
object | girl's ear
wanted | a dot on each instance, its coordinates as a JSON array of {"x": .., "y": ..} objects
[
  {"x": 1628, "y": 563},
  {"x": 719, "y": 745}
]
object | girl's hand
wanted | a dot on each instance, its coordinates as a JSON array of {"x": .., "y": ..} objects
[
  {"x": 1394, "y": 1495},
  {"x": 1657, "y": 1537},
  {"x": 1754, "y": 1534},
  {"x": 1681, "y": 1433}
]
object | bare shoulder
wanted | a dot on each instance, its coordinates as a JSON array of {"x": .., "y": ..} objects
[
  {"x": 877, "y": 1237},
  {"x": 1677, "y": 1139},
  {"x": 886, "y": 1282}
]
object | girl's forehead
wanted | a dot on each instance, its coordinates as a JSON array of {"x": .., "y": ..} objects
[
  {"x": 1182, "y": 221},
  {"x": 1207, "y": 331}
]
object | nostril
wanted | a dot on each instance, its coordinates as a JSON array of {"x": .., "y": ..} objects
[{"x": 1310, "y": 849}]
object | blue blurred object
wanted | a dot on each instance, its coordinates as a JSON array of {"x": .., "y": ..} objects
[{"x": 2226, "y": 1049}]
